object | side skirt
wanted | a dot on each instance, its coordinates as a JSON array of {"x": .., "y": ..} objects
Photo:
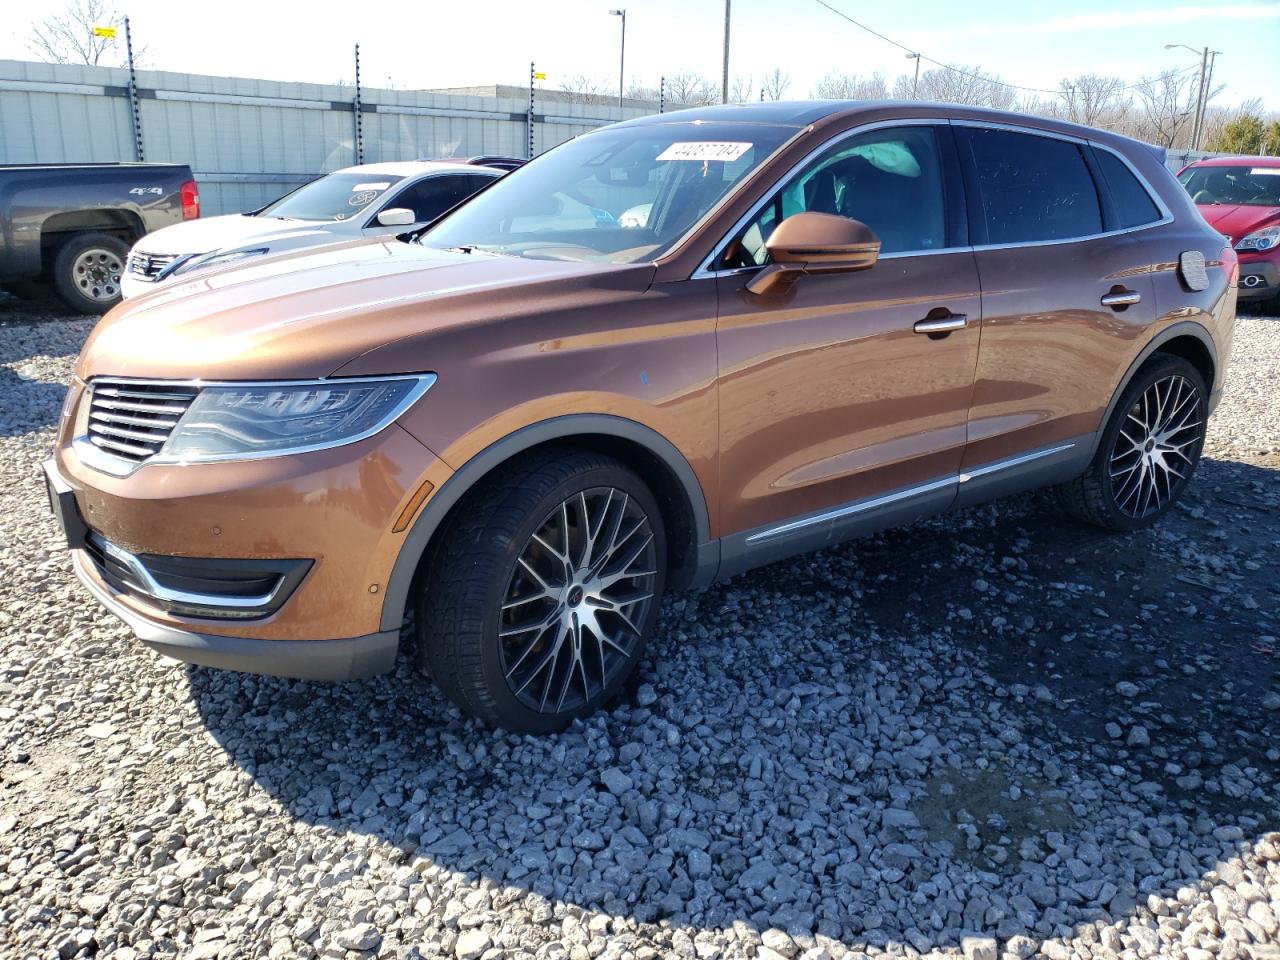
[{"x": 1055, "y": 463}]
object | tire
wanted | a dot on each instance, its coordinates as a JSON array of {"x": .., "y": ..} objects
[
  {"x": 1149, "y": 448},
  {"x": 87, "y": 271},
  {"x": 514, "y": 604}
]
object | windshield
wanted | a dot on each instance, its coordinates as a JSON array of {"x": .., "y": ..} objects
[
  {"x": 621, "y": 195},
  {"x": 1250, "y": 186},
  {"x": 339, "y": 196}
]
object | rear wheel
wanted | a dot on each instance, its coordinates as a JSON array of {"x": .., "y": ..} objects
[
  {"x": 1149, "y": 448},
  {"x": 542, "y": 591},
  {"x": 87, "y": 272}
]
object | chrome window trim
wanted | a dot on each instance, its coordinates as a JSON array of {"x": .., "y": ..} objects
[
  {"x": 158, "y": 591},
  {"x": 704, "y": 269},
  {"x": 884, "y": 500},
  {"x": 97, "y": 458}
]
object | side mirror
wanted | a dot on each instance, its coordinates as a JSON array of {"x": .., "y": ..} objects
[
  {"x": 397, "y": 217},
  {"x": 806, "y": 243}
]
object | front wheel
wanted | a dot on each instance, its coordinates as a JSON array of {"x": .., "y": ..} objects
[
  {"x": 1149, "y": 448},
  {"x": 542, "y": 590}
]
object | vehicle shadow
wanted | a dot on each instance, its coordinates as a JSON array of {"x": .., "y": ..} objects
[
  {"x": 933, "y": 730},
  {"x": 33, "y": 404}
]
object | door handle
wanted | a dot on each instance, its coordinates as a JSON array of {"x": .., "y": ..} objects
[
  {"x": 952, "y": 321},
  {"x": 1121, "y": 298}
]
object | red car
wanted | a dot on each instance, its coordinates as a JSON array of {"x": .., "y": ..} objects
[{"x": 1241, "y": 197}]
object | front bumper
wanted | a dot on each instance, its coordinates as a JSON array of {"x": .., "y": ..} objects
[
  {"x": 349, "y": 659},
  {"x": 335, "y": 510},
  {"x": 1259, "y": 280}
]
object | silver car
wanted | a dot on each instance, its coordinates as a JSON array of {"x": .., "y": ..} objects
[{"x": 370, "y": 200}]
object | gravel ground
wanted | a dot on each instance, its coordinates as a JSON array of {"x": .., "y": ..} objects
[{"x": 992, "y": 734}]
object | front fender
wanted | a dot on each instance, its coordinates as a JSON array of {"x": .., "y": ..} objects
[{"x": 482, "y": 463}]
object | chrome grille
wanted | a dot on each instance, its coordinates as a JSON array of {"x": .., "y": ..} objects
[
  {"x": 132, "y": 420},
  {"x": 148, "y": 266}
]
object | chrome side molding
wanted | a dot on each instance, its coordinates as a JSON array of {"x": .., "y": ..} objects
[{"x": 884, "y": 500}]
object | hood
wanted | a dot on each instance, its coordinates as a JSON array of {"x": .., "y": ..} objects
[
  {"x": 306, "y": 314},
  {"x": 233, "y": 230},
  {"x": 1237, "y": 220}
]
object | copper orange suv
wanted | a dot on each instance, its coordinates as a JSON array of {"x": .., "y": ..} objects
[{"x": 660, "y": 354}]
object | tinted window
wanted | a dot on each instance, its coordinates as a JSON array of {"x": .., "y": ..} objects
[
  {"x": 433, "y": 196},
  {"x": 1133, "y": 204},
  {"x": 1033, "y": 188},
  {"x": 889, "y": 179}
]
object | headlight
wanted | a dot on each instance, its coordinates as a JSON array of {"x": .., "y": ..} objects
[
  {"x": 1264, "y": 239},
  {"x": 252, "y": 420},
  {"x": 216, "y": 259}
]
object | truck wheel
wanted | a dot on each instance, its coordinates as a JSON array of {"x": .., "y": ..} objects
[
  {"x": 87, "y": 272},
  {"x": 1149, "y": 449},
  {"x": 542, "y": 591}
]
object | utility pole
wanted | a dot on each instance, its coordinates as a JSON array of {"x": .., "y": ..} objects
[
  {"x": 662, "y": 93},
  {"x": 724, "y": 80},
  {"x": 915, "y": 84},
  {"x": 622, "y": 56}
]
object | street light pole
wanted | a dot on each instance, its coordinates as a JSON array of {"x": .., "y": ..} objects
[
  {"x": 1204, "y": 60},
  {"x": 1208, "y": 92},
  {"x": 724, "y": 80},
  {"x": 622, "y": 55},
  {"x": 915, "y": 84}
]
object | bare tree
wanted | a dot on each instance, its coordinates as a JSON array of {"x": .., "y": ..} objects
[
  {"x": 775, "y": 84},
  {"x": 959, "y": 84},
  {"x": 1165, "y": 106},
  {"x": 741, "y": 90},
  {"x": 835, "y": 85},
  {"x": 1092, "y": 99},
  {"x": 694, "y": 88},
  {"x": 639, "y": 91},
  {"x": 68, "y": 37},
  {"x": 581, "y": 88}
]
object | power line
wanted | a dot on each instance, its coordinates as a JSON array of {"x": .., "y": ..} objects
[{"x": 966, "y": 73}]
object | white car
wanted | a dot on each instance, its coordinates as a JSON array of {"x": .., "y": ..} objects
[{"x": 374, "y": 199}]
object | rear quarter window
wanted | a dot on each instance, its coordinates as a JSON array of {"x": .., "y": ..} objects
[
  {"x": 1033, "y": 188},
  {"x": 1133, "y": 204}
]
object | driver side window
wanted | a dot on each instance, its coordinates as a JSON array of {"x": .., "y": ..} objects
[{"x": 889, "y": 179}]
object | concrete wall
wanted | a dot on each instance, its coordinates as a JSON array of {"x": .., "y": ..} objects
[{"x": 248, "y": 141}]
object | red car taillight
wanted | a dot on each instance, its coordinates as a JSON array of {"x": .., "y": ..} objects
[
  {"x": 1232, "y": 262},
  {"x": 190, "y": 201}
]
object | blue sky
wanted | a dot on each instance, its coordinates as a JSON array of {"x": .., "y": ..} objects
[{"x": 423, "y": 44}]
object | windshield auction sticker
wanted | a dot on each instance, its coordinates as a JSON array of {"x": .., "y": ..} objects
[{"x": 704, "y": 150}]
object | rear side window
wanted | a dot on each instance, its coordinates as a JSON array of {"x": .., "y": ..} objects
[
  {"x": 1134, "y": 206},
  {"x": 1032, "y": 187}
]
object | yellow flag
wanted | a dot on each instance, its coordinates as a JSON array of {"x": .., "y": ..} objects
[
  {"x": 539, "y": 76},
  {"x": 108, "y": 32}
]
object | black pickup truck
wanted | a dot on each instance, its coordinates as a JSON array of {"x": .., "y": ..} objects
[{"x": 69, "y": 226}]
